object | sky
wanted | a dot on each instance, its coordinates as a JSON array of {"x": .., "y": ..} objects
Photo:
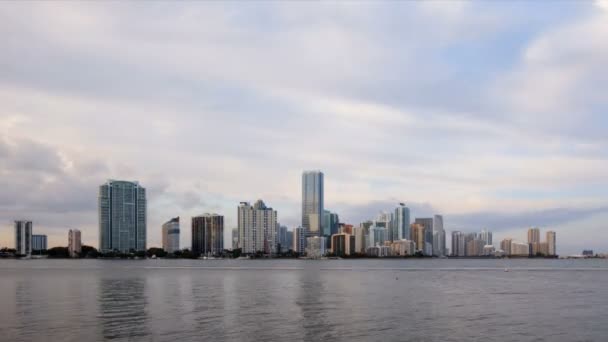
[{"x": 492, "y": 114}]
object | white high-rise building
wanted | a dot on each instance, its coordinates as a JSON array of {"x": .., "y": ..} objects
[
  {"x": 551, "y": 245},
  {"x": 23, "y": 238},
  {"x": 312, "y": 203},
  {"x": 74, "y": 243},
  {"x": 171, "y": 235},
  {"x": 122, "y": 216},
  {"x": 486, "y": 236},
  {"x": 257, "y": 228},
  {"x": 458, "y": 244}
]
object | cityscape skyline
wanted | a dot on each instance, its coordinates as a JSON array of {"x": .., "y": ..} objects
[{"x": 491, "y": 114}]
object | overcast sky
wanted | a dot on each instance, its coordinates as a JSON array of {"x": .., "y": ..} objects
[{"x": 490, "y": 113}]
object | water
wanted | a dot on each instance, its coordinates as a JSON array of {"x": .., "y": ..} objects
[{"x": 268, "y": 300}]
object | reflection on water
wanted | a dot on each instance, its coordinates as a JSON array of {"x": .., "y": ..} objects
[
  {"x": 122, "y": 308},
  {"x": 366, "y": 300}
]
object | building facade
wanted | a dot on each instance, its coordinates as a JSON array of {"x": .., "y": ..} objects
[
  {"x": 342, "y": 244},
  {"x": 428, "y": 234},
  {"x": 74, "y": 243},
  {"x": 458, "y": 244},
  {"x": 315, "y": 247},
  {"x": 551, "y": 243},
  {"x": 122, "y": 216},
  {"x": 533, "y": 235},
  {"x": 39, "y": 243},
  {"x": 439, "y": 247},
  {"x": 23, "y": 238},
  {"x": 418, "y": 234},
  {"x": 208, "y": 235},
  {"x": 486, "y": 236},
  {"x": 299, "y": 243},
  {"x": 312, "y": 202},
  {"x": 171, "y": 235},
  {"x": 402, "y": 223},
  {"x": 257, "y": 228}
]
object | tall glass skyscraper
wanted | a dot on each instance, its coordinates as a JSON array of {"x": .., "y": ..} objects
[
  {"x": 23, "y": 237},
  {"x": 402, "y": 223},
  {"x": 312, "y": 203},
  {"x": 122, "y": 216}
]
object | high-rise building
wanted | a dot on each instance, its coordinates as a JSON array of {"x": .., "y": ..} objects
[
  {"x": 208, "y": 235},
  {"x": 377, "y": 236},
  {"x": 458, "y": 244},
  {"x": 299, "y": 243},
  {"x": 418, "y": 233},
  {"x": 330, "y": 223},
  {"x": 428, "y": 234},
  {"x": 257, "y": 228},
  {"x": 122, "y": 216},
  {"x": 360, "y": 244},
  {"x": 475, "y": 247},
  {"x": 312, "y": 202},
  {"x": 39, "y": 243},
  {"x": 403, "y": 248},
  {"x": 486, "y": 236},
  {"x": 235, "y": 238},
  {"x": 551, "y": 246},
  {"x": 402, "y": 223},
  {"x": 505, "y": 245},
  {"x": 533, "y": 235},
  {"x": 74, "y": 243},
  {"x": 282, "y": 238},
  {"x": 520, "y": 249},
  {"x": 439, "y": 248},
  {"x": 171, "y": 234},
  {"x": 23, "y": 238},
  {"x": 342, "y": 244}
]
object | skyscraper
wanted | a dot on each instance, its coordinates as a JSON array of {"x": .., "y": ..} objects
[
  {"x": 428, "y": 235},
  {"x": 23, "y": 238},
  {"x": 533, "y": 235},
  {"x": 298, "y": 240},
  {"x": 171, "y": 234},
  {"x": 257, "y": 228},
  {"x": 505, "y": 245},
  {"x": 486, "y": 236},
  {"x": 402, "y": 222},
  {"x": 74, "y": 243},
  {"x": 458, "y": 244},
  {"x": 330, "y": 223},
  {"x": 235, "y": 238},
  {"x": 551, "y": 245},
  {"x": 39, "y": 243},
  {"x": 418, "y": 234},
  {"x": 122, "y": 216},
  {"x": 282, "y": 238},
  {"x": 312, "y": 202},
  {"x": 438, "y": 236},
  {"x": 208, "y": 234}
]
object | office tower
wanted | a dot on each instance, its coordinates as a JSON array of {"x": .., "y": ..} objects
[
  {"x": 257, "y": 228},
  {"x": 486, "y": 236},
  {"x": 330, "y": 223},
  {"x": 505, "y": 245},
  {"x": 458, "y": 244},
  {"x": 359, "y": 234},
  {"x": 315, "y": 247},
  {"x": 402, "y": 223},
  {"x": 551, "y": 246},
  {"x": 171, "y": 234},
  {"x": 385, "y": 220},
  {"x": 438, "y": 236},
  {"x": 342, "y": 244},
  {"x": 377, "y": 235},
  {"x": 418, "y": 234},
  {"x": 74, "y": 243},
  {"x": 289, "y": 240},
  {"x": 533, "y": 235},
  {"x": 39, "y": 243},
  {"x": 428, "y": 234},
  {"x": 23, "y": 238},
  {"x": 475, "y": 247},
  {"x": 312, "y": 202},
  {"x": 122, "y": 216},
  {"x": 282, "y": 238},
  {"x": 208, "y": 235},
  {"x": 235, "y": 238},
  {"x": 298, "y": 240},
  {"x": 520, "y": 249}
]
